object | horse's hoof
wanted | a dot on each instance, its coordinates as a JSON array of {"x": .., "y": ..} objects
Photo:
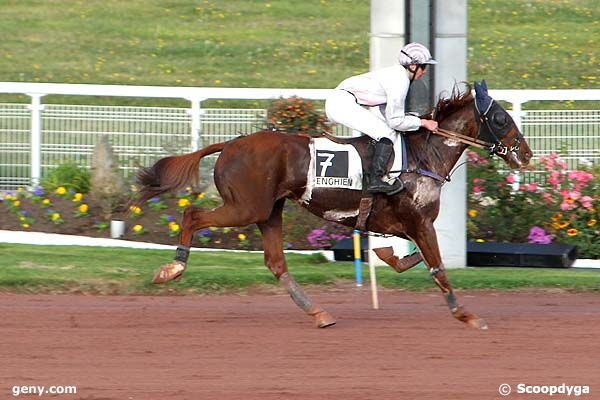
[
  {"x": 168, "y": 272},
  {"x": 324, "y": 319},
  {"x": 478, "y": 323}
]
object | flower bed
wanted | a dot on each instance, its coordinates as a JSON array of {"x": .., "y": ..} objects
[
  {"x": 158, "y": 221},
  {"x": 561, "y": 207}
]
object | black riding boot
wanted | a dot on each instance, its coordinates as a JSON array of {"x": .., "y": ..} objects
[{"x": 383, "y": 151}]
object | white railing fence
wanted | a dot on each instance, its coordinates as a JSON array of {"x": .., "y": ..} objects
[{"x": 36, "y": 137}]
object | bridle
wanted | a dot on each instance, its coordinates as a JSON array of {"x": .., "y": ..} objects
[
  {"x": 496, "y": 131},
  {"x": 498, "y": 128}
]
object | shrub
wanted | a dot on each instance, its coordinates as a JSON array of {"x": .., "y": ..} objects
[
  {"x": 68, "y": 175},
  {"x": 295, "y": 114}
]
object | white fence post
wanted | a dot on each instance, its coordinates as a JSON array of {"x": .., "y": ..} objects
[
  {"x": 517, "y": 114},
  {"x": 195, "y": 113},
  {"x": 36, "y": 109}
]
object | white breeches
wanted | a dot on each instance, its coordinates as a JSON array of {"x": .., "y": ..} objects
[{"x": 341, "y": 108}]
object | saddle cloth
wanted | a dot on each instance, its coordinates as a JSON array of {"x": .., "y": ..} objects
[{"x": 335, "y": 165}]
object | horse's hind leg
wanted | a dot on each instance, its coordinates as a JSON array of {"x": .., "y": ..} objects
[
  {"x": 196, "y": 218},
  {"x": 274, "y": 259},
  {"x": 426, "y": 241}
]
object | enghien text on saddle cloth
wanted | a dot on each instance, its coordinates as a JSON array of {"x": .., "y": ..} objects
[{"x": 334, "y": 165}]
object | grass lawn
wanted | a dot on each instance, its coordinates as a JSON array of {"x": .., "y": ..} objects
[
  {"x": 260, "y": 43},
  {"x": 73, "y": 269}
]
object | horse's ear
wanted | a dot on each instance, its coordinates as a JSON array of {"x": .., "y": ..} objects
[
  {"x": 479, "y": 91},
  {"x": 482, "y": 99}
]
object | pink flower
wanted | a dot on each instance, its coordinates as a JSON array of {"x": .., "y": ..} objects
[
  {"x": 477, "y": 189},
  {"x": 554, "y": 179},
  {"x": 574, "y": 195},
  {"x": 565, "y": 206},
  {"x": 586, "y": 202},
  {"x": 532, "y": 187},
  {"x": 510, "y": 179}
]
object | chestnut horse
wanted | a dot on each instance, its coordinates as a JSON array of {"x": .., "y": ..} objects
[{"x": 255, "y": 174}]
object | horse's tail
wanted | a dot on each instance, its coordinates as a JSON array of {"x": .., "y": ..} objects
[{"x": 171, "y": 173}]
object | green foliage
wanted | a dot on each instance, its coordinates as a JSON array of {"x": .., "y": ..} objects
[{"x": 69, "y": 175}]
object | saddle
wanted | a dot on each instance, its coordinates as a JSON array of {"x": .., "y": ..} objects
[{"x": 344, "y": 163}]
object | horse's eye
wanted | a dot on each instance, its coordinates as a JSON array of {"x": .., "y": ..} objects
[{"x": 499, "y": 119}]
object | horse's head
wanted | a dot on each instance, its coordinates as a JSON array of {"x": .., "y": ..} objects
[{"x": 497, "y": 127}]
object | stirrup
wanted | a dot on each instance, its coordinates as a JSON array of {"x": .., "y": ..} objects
[{"x": 389, "y": 190}]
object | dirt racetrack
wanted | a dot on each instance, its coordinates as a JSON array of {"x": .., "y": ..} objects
[{"x": 260, "y": 346}]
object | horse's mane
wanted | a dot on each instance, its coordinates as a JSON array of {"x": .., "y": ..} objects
[{"x": 457, "y": 100}]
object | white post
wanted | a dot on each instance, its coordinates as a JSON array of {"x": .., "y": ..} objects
[
  {"x": 450, "y": 49},
  {"x": 373, "y": 277},
  {"x": 517, "y": 114},
  {"x": 36, "y": 109},
  {"x": 195, "y": 112},
  {"x": 387, "y": 38}
]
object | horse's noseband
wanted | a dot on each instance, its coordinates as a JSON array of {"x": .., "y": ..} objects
[{"x": 498, "y": 128}]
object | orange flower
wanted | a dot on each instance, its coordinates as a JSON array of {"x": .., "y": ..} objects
[
  {"x": 572, "y": 232},
  {"x": 556, "y": 217}
]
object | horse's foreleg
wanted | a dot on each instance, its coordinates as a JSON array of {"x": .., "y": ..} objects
[
  {"x": 274, "y": 259},
  {"x": 426, "y": 241},
  {"x": 386, "y": 254}
]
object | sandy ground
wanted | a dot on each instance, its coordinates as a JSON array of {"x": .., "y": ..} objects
[{"x": 260, "y": 346}]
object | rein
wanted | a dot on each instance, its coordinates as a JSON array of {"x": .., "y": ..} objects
[{"x": 482, "y": 144}]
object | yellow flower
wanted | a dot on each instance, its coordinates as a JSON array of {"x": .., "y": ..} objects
[
  {"x": 133, "y": 189},
  {"x": 17, "y": 203},
  {"x": 563, "y": 224},
  {"x": 60, "y": 190},
  {"x": 572, "y": 232},
  {"x": 200, "y": 196},
  {"x": 136, "y": 210},
  {"x": 83, "y": 208},
  {"x": 591, "y": 222},
  {"x": 174, "y": 227},
  {"x": 241, "y": 237},
  {"x": 46, "y": 202},
  {"x": 9, "y": 197},
  {"x": 26, "y": 226},
  {"x": 55, "y": 216},
  {"x": 77, "y": 197},
  {"x": 472, "y": 213},
  {"x": 137, "y": 228},
  {"x": 480, "y": 241},
  {"x": 182, "y": 203}
]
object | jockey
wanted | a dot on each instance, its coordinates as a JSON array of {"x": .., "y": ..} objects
[{"x": 386, "y": 88}]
